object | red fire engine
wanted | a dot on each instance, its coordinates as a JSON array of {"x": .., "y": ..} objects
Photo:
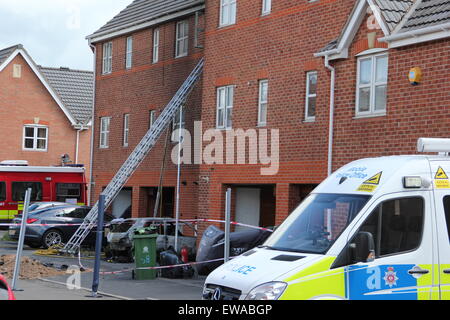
[{"x": 48, "y": 184}]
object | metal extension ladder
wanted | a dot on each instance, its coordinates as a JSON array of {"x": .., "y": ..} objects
[{"x": 135, "y": 159}]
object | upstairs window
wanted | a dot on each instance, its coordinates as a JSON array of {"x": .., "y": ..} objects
[
  {"x": 311, "y": 96},
  {"x": 126, "y": 129},
  {"x": 266, "y": 7},
  {"x": 129, "y": 53},
  {"x": 371, "y": 96},
  {"x": 107, "y": 58},
  {"x": 227, "y": 12},
  {"x": 155, "y": 58},
  {"x": 152, "y": 118},
  {"x": 225, "y": 98},
  {"x": 35, "y": 138},
  {"x": 263, "y": 100},
  {"x": 182, "y": 39},
  {"x": 104, "y": 132}
]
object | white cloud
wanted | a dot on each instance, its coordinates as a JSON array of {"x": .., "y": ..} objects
[{"x": 54, "y": 31}]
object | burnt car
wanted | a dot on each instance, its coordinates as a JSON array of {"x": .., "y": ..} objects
[
  {"x": 120, "y": 237},
  {"x": 54, "y": 226}
]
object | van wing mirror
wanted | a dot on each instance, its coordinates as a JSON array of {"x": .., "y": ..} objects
[{"x": 363, "y": 247}]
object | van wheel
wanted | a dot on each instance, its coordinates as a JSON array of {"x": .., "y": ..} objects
[{"x": 52, "y": 238}]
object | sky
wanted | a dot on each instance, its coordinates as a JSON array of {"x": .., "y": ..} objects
[{"x": 54, "y": 31}]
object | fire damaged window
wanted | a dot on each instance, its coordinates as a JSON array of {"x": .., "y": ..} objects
[
  {"x": 2, "y": 191},
  {"x": 19, "y": 189}
]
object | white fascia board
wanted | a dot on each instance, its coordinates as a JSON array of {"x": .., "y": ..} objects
[
  {"x": 418, "y": 38},
  {"x": 36, "y": 71},
  {"x": 132, "y": 27}
]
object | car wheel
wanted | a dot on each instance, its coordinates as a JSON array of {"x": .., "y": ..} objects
[{"x": 52, "y": 238}]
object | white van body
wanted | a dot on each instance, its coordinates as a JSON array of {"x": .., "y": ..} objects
[{"x": 398, "y": 206}]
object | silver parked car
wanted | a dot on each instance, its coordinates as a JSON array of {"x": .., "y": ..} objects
[{"x": 120, "y": 237}]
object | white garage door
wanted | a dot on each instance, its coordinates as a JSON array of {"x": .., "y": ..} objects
[{"x": 248, "y": 206}]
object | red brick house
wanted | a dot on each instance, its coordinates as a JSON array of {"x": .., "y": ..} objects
[
  {"x": 44, "y": 112},
  {"x": 330, "y": 75},
  {"x": 143, "y": 56}
]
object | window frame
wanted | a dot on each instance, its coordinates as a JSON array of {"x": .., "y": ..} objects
[
  {"x": 310, "y": 95},
  {"x": 35, "y": 137},
  {"x": 129, "y": 53},
  {"x": 126, "y": 129},
  {"x": 107, "y": 58},
  {"x": 227, "y": 5},
  {"x": 155, "y": 55},
  {"x": 262, "y": 102},
  {"x": 182, "y": 39},
  {"x": 225, "y": 108},
  {"x": 373, "y": 84},
  {"x": 105, "y": 132}
]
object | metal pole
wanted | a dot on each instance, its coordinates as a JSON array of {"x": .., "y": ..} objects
[
  {"x": 21, "y": 239},
  {"x": 98, "y": 244},
  {"x": 227, "y": 225},
  {"x": 180, "y": 137}
]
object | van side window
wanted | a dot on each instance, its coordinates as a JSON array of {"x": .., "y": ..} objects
[
  {"x": 2, "y": 191},
  {"x": 66, "y": 191},
  {"x": 396, "y": 226},
  {"x": 19, "y": 189},
  {"x": 447, "y": 213}
]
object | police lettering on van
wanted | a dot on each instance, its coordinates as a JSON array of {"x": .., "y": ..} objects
[{"x": 376, "y": 229}]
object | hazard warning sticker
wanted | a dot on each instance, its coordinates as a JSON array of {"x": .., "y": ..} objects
[
  {"x": 371, "y": 184},
  {"x": 441, "y": 180}
]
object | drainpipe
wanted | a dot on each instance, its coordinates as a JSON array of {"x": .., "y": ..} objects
[
  {"x": 91, "y": 160},
  {"x": 331, "y": 126}
]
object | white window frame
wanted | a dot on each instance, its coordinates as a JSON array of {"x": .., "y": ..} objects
[
  {"x": 228, "y": 12},
  {"x": 225, "y": 106},
  {"x": 310, "y": 95},
  {"x": 129, "y": 53},
  {"x": 263, "y": 102},
  {"x": 176, "y": 124},
  {"x": 126, "y": 129},
  {"x": 266, "y": 7},
  {"x": 155, "y": 57},
  {"x": 152, "y": 118},
  {"x": 182, "y": 39},
  {"x": 35, "y": 138},
  {"x": 107, "y": 58},
  {"x": 372, "y": 85},
  {"x": 104, "y": 132}
]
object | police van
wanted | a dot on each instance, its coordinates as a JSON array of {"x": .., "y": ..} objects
[{"x": 376, "y": 229}]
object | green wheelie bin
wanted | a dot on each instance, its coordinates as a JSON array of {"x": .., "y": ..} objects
[{"x": 145, "y": 255}]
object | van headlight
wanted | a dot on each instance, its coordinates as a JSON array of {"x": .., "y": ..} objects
[{"x": 267, "y": 291}]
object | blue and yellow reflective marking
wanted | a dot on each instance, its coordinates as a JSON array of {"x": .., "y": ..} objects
[{"x": 363, "y": 282}]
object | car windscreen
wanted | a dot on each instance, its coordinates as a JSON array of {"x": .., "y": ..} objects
[{"x": 317, "y": 223}]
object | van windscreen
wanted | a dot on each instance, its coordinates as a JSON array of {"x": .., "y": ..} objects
[{"x": 317, "y": 223}]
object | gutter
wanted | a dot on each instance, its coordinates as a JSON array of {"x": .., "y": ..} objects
[
  {"x": 332, "y": 107},
  {"x": 414, "y": 34}
]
